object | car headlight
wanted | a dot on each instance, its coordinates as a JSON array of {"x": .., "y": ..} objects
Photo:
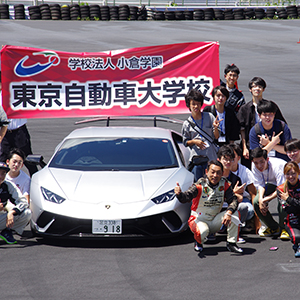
[
  {"x": 52, "y": 197},
  {"x": 166, "y": 197}
]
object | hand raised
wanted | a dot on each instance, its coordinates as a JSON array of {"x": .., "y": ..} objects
[
  {"x": 239, "y": 189},
  {"x": 177, "y": 189}
]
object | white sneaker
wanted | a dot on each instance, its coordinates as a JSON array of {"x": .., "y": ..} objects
[
  {"x": 240, "y": 241},
  {"x": 198, "y": 247},
  {"x": 261, "y": 230}
]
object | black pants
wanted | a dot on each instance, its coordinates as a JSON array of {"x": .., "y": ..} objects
[
  {"x": 292, "y": 226},
  {"x": 18, "y": 138}
]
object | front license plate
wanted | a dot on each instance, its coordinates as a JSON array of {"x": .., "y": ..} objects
[{"x": 107, "y": 226}]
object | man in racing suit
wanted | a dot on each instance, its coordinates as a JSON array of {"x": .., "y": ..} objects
[{"x": 208, "y": 195}]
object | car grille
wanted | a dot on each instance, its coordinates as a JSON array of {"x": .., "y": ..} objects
[{"x": 146, "y": 226}]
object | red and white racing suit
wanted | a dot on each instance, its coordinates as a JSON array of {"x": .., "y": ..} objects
[{"x": 207, "y": 203}]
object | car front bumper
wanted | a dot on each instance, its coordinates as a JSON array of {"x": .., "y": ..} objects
[{"x": 160, "y": 225}]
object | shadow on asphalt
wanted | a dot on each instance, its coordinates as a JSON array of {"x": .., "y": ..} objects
[
  {"x": 213, "y": 251},
  {"x": 218, "y": 245},
  {"x": 184, "y": 238},
  {"x": 213, "y": 248}
]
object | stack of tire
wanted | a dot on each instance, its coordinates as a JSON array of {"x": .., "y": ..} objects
[
  {"x": 270, "y": 12},
  {"x": 34, "y": 12},
  {"x": 19, "y": 11},
  {"x": 238, "y": 14},
  {"x": 170, "y": 15},
  {"x": 104, "y": 12},
  {"x": 292, "y": 11},
  {"x": 179, "y": 16},
  {"x": 133, "y": 13},
  {"x": 4, "y": 11},
  {"x": 158, "y": 16},
  {"x": 188, "y": 14},
  {"x": 150, "y": 15},
  {"x": 209, "y": 14},
  {"x": 142, "y": 13},
  {"x": 95, "y": 12},
  {"x": 124, "y": 12},
  {"x": 228, "y": 14},
  {"x": 198, "y": 14},
  {"x": 281, "y": 13},
  {"x": 259, "y": 13},
  {"x": 114, "y": 13},
  {"x": 219, "y": 14},
  {"x": 74, "y": 12},
  {"x": 55, "y": 11},
  {"x": 249, "y": 13},
  {"x": 65, "y": 12},
  {"x": 45, "y": 12},
  {"x": 84, "y": 12}
]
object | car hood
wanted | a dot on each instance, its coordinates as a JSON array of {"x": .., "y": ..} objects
[{"x": 118, "y": 186}]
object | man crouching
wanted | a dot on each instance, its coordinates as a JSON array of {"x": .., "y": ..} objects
[
  {"x": 208, "y": 195},
  {"x": 15, "y": 213}
]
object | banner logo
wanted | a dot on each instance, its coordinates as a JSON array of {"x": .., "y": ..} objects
[{"x": 26, "y": 71}]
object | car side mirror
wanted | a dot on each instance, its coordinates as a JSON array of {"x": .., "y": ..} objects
[{"x": 36, "y": 160}]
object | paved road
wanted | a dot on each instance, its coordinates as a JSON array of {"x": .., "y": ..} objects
[{"x": 161, "y": 269}]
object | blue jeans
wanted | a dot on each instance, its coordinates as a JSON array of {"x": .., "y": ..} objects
[
  {"x": 246, "y": 210},
  {"x": 199, "y": 171}
]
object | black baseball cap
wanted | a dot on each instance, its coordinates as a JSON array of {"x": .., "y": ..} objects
[{"x": 4, "y": 166}]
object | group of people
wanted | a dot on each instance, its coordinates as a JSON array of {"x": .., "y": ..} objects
[
  {"x": 234, "y": 183},
  {"x": 14, "y": 183},
  {"x": 242, "y": 156}
]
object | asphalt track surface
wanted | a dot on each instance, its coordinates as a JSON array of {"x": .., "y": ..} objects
[{"x": 158, "y": 269}]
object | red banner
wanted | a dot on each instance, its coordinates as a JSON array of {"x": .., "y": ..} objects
[{"x": 39, "y": 83}]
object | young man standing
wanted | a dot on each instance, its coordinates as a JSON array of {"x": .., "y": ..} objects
[
  {"x": 268, "y": 175},
  {"x": 270, "y": 133},
  {"x": 229, "y": 126},
  {"x": 208, "y": 195},
  {"x": 14, "y": 206},
  {"x": 15, "y": 162},
  {"x": 236, "y": 98},
  {"x": 198, "y": 130},
  {"x": 248, "y": 116}
]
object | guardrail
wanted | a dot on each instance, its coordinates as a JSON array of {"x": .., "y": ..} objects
[{"x": 172, "y": 3}]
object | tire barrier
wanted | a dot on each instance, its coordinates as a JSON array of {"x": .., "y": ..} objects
[
  {"x": 4, "y": 11},
  {"x": 124, "y": 12}
]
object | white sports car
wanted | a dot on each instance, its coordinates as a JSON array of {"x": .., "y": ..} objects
[{"x": 112, "y": 182}]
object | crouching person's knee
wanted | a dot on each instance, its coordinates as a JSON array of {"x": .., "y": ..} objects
[{"x": 22, "y": 220}]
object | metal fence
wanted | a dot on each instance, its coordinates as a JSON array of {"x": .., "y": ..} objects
[{"x": 165, "y": 3}]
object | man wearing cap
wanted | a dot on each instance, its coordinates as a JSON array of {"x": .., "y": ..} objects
[{"x": 15, "y": 213}]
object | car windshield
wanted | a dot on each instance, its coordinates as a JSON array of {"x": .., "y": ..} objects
[{"x": 115, "y": 154}]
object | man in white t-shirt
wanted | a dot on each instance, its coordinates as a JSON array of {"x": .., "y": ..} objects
[
  {"x": 268, "y": 174},
  {"x": 15, "y": 162}
]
